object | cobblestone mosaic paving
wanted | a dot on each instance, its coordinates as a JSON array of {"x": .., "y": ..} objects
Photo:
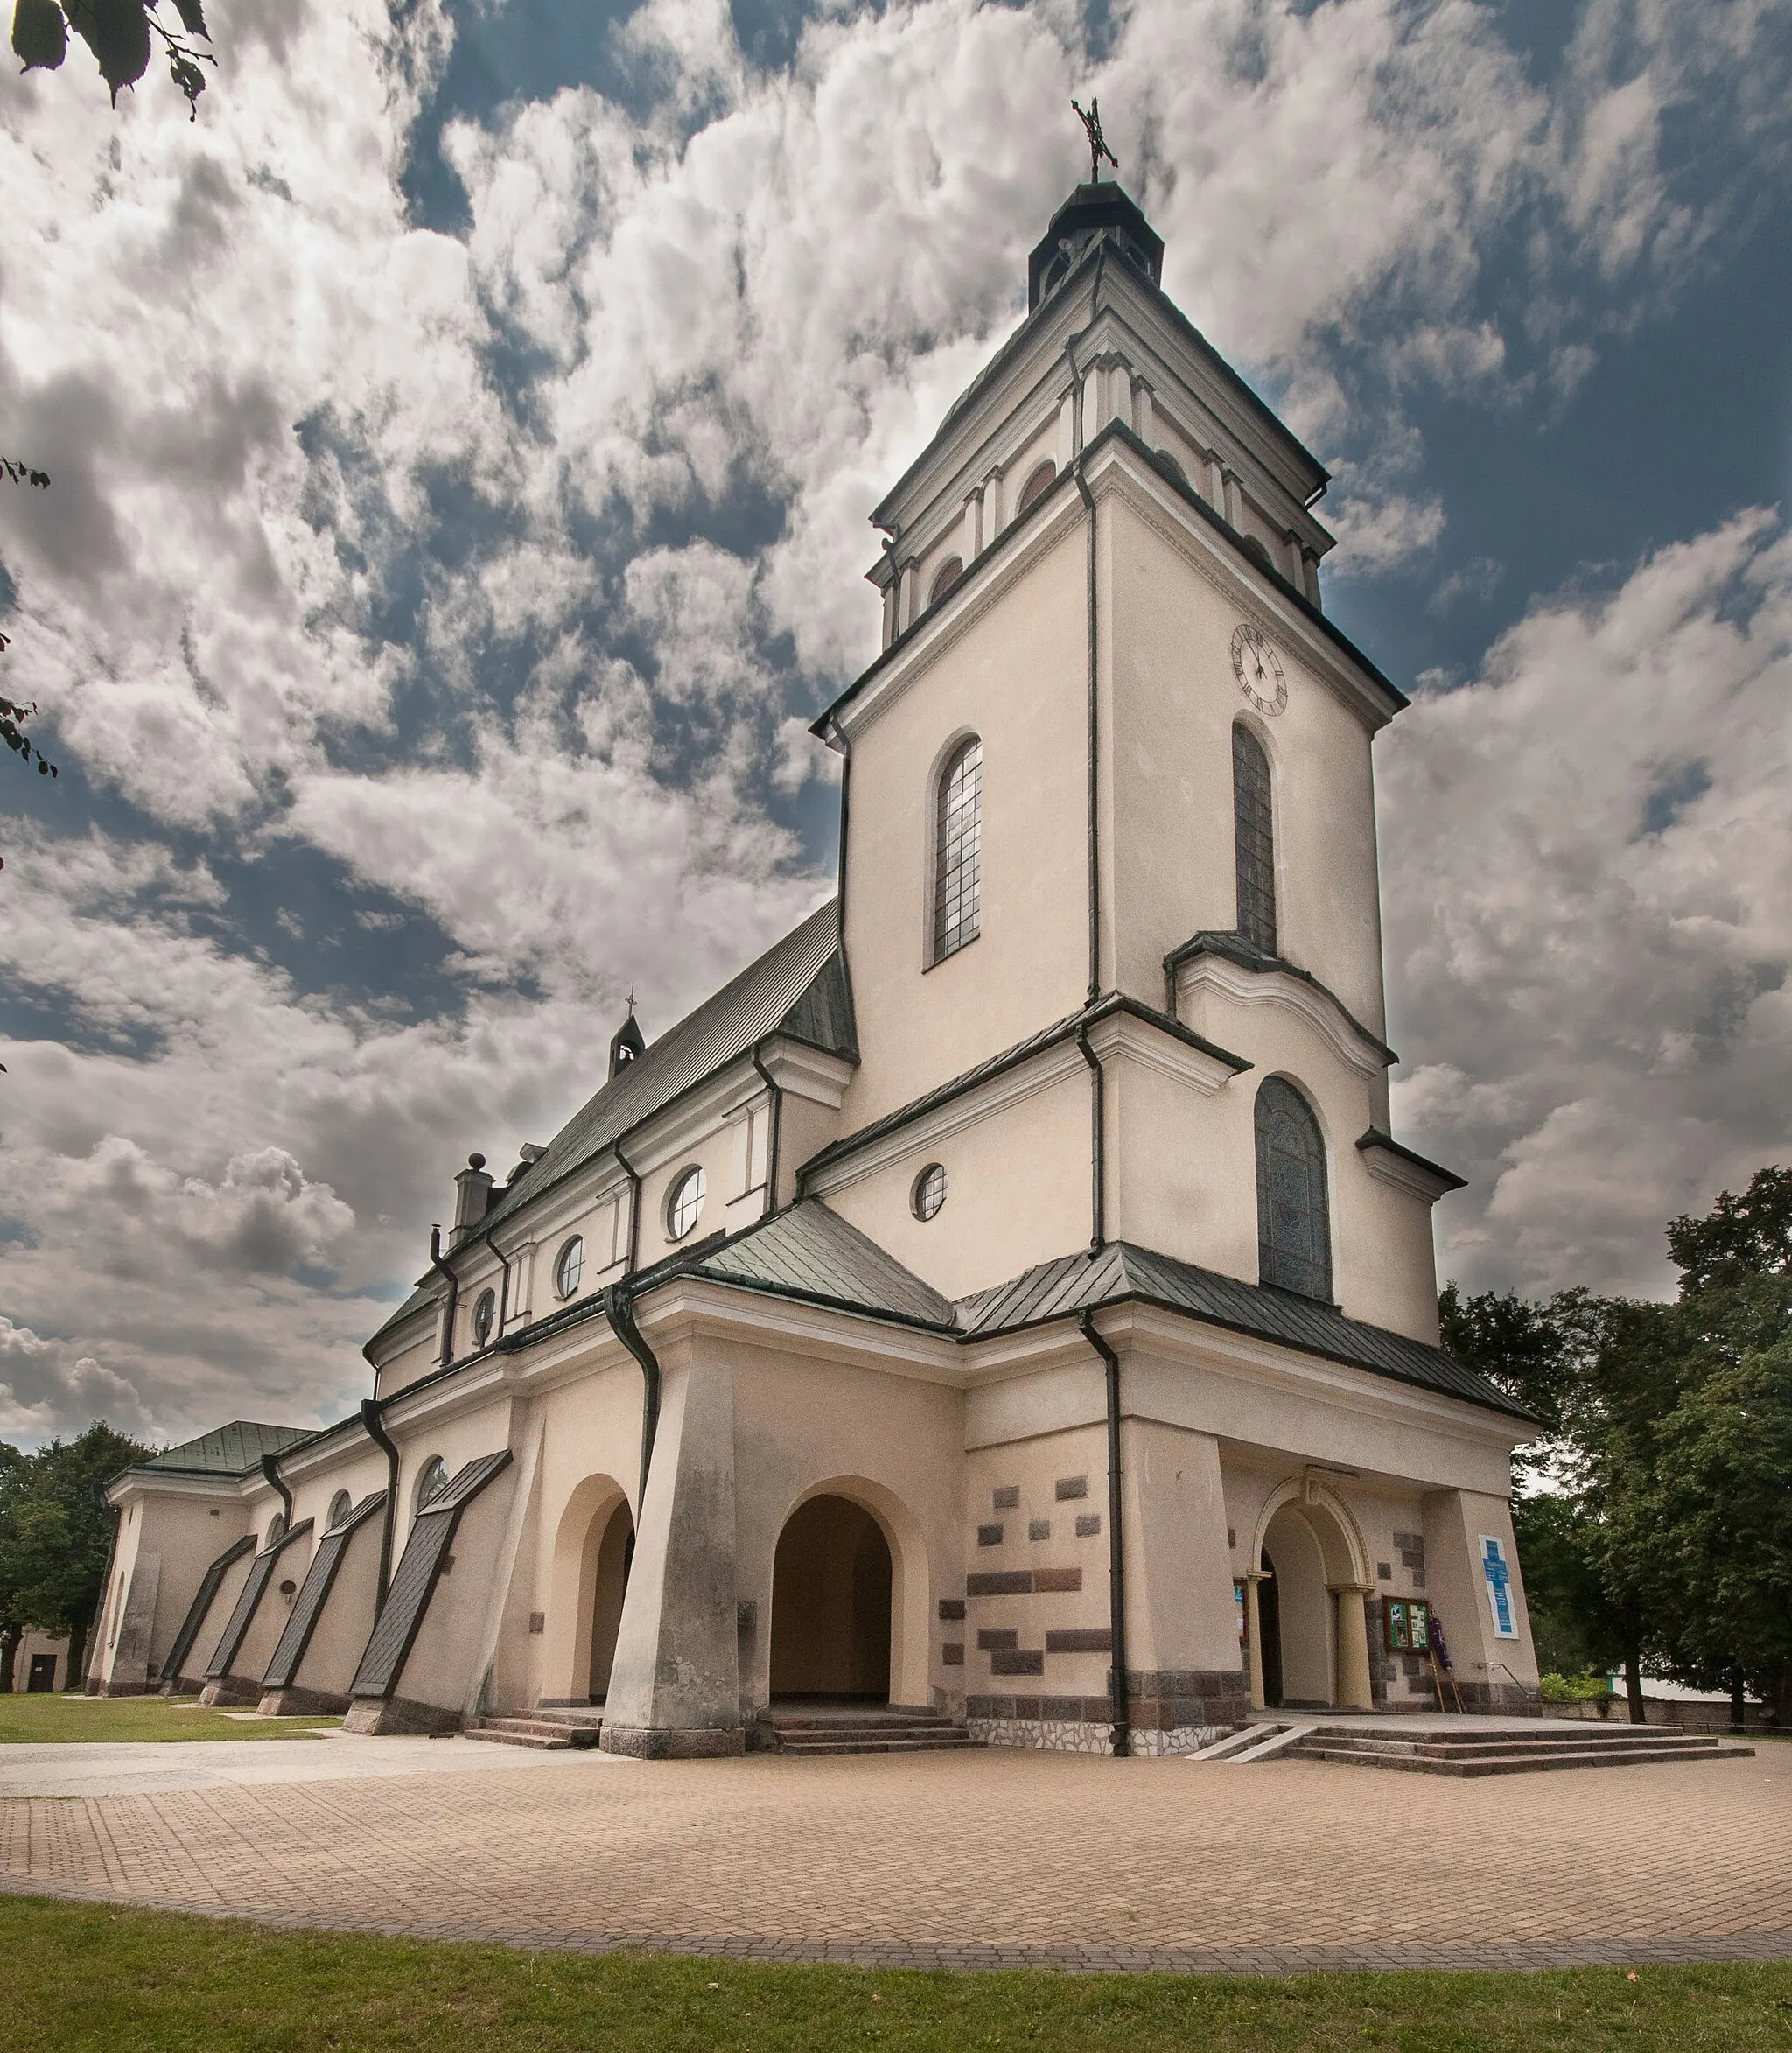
[{"x": 978, "y": 1858}]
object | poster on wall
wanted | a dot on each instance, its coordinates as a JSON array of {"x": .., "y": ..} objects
[{"x": 1498, "y": 1572}]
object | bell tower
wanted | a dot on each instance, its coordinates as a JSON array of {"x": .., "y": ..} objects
[{"x": 1111, "y": 783}]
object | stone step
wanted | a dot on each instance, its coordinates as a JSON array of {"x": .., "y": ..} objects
[
  {"x": 885, "y": 1743},
  {"x": 547, "y": 1741},
  {"x": 1529, "y": 1761},
  {"x": 538, "y": 1729}
]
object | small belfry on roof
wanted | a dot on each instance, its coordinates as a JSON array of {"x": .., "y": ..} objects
[{"x": 629, "y": 1043}]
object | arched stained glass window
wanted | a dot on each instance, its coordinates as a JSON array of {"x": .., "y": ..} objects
[
  {"x": 341, "y": 1505},
  {"x": 1254, "y": 835},
  {"x": 1293, "y": 1226},
  {"x": 431, "y": 1481},
  {"x": 957, "y": 852}
]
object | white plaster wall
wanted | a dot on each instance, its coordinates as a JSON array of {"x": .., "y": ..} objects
[
  {"x": 1170, "y": 700},
  {"x": 1017, "y": 1191},
  {"x": 1015, "y": 676}
]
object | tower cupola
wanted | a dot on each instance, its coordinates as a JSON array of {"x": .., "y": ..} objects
[
  {"x": 627, "y": 1044},
  {"x": 1093, "y": 214}
]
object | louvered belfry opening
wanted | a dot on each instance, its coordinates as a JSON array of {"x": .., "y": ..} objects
[
  {"x": 1254, "y": 836},
  {"x": 958, "y": 860}
]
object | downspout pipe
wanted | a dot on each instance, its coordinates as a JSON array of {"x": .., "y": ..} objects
[
  {"x": 375, "y": 1426},
  {"x": 503, "y": 1280},
  {"x": 1117, "y": 1553},
  {"x": 270, "y": 1469},
  {"x": 777, "y": 1104},
  {"x": 621, "y": 1311},
  {"x": 444, "y": 1269},
  {"x": 844, "y": 743},
  {"x": 634, "y": 1176},
  {"x": 1098, "y": 1143}
]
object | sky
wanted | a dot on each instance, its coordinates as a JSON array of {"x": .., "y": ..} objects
[{"x": 462, "y": 439}]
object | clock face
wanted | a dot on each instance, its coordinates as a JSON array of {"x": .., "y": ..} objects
[{"x": 1259, "y": 669}]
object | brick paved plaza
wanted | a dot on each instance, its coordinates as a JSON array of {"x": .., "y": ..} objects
[{"x": 970, "y": 1858}]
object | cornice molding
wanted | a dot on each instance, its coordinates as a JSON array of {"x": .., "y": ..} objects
[{"x": 1283, "y": 992}]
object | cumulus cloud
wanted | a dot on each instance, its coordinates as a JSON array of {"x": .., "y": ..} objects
[
  {"x": 1588, "y": 877},
  {"x": 491, "y": 573}
]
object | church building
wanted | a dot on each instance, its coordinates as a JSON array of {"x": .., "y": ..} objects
[{"x": 1005, "y": 1302}]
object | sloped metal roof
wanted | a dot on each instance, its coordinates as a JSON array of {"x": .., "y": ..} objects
[
  {"x": 798, "y": 987},
  {"x": 235, "y": 1449},
  {"x": 1121, "y": 1271},
  {"x": 811, "y": 1253}
]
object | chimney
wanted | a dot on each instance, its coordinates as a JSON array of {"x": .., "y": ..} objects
[{"x": 472, "y": 1194}]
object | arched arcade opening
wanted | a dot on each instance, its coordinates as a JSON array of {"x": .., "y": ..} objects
[
  {"x": 1312, "y": 1646},
  {"x": 593, "y": 1551},
  {"x": 832, "y": 1604}
]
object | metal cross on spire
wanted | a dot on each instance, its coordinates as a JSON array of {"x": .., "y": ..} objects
[{"x": 1097, "y": 142}]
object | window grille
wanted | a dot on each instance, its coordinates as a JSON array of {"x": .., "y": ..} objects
[
  {"x": 431, "y": 1481},
  {"x": 485, "y": 1316},
  {"x": 958, "y": 860},
  {"x": 930, "y": 1191},
  {"x": 1293, "y": 1228},
  {"x": 684, "y": 1203},
  {"x": 569, "y": 1267},
  {"x": 1254, "y": 835},
  {"x": 341, "y": 1505}
]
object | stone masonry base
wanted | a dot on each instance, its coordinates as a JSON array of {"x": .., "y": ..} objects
[
  {"x": 297, "y": 1703},
  {"x": 647, "y": 1742},
  {"x": 378, "y": 1715}
]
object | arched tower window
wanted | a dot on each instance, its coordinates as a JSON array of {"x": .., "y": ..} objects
[
  {"x": 1254, "y": 836},
  {"x": 1293, "y": 1225},
  {"x": 1043, "y": 477},
  {"x": 958, "y": 857},
  {"x": 945, "y": 577}
]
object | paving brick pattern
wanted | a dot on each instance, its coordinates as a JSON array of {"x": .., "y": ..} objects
[{"x": 977, "y": 1860}]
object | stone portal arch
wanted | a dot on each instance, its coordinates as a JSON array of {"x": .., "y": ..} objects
[
  {"x": 850, "y": 1592},
  {"x": 593, "y": 1546},
  {"x": 1309, "y": 1630}
]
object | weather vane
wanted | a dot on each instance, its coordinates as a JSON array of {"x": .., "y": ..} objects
[{"x": 1097, "y": 142}]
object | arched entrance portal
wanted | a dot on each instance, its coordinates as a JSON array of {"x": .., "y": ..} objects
[
  {"x": 609, "y": 1585},
  {"x": 593, "y": 1546},
  {"x": 831, "y": 1581},
  {"x": 1313, "y": 1646}
]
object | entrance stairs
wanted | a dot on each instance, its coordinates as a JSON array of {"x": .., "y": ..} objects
[
  {"x": 893, "y": 1729},
  {"x": 1483, "y": 1747},
  {"x": 543, "y": 1728}
]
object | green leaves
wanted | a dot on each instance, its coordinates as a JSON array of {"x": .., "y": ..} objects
[
  {"x": 40, "y": 35},
  {"x": 117, "y": 31},
  {"x": 119, "y": 34}
]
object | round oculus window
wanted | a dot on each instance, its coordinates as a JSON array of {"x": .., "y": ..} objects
[
  {"x": 684, "y": 1202},
  {"x": 568, "y": 1266},
  {"x": 929, "y": 1192},
  {"x": 485, "y": 1316}
]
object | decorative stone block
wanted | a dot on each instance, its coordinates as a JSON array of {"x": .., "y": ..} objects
[
  {"x": 1081, "y": 1639},
  {"x": 1089, "y": 1523},
  {"x": 1057, "y": 1578},
  {"x": 1008, "y": 1497},
  {"x": 1017, "y": 1661},
  {"x": 952, "y": 1653},
  {"x": 988, "y": 1536},
  {"x": 951, "y": 1607},
  {"x": 990, "y": 1638},
  {"x": 1039, "y": 1528},
  {"x": 999, "y": 1582},
  {"x": 1071, "y": 1486}
]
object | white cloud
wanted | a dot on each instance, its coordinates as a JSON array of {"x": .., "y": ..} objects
[{"x": 1588, "y": 875}]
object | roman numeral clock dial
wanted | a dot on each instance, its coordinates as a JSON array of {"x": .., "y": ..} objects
[{"x": 1259, "y": 669}]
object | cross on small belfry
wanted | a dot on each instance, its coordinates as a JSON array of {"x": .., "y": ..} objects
[{"x": 1097, "y": 142}]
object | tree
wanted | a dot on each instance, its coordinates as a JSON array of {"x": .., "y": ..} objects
[
  {"x": 13, "y": 1468},
  {"x": 121, "y": 35},
  {"x": 56, "y": 1535},
  {"x": 1739, "y": 1237},
  {"x": 13, "y": 714}
]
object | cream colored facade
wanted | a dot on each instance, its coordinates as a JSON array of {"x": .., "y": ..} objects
[{"x": 1079, "y": 1457}]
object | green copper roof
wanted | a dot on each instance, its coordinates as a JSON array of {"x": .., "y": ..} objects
[{"x": 235, "y": 1449}]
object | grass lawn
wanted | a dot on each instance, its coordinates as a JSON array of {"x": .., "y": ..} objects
[
  {"x": 57, "y": 1720},
  {"x": 79, "y": 1976}
]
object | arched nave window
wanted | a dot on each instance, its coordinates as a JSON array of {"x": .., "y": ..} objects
[
  {"x": 957, "y": 849},
  {"x": 1043, "y": 477},
  {"x": 1254, "y": 834},
  {"x": 1293, "y": 1226}
]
